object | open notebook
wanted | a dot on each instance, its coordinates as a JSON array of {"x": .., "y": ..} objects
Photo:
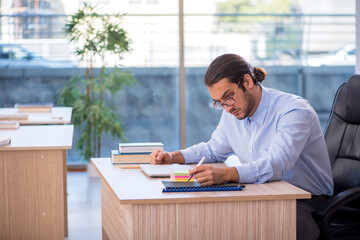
[{"x": 162, "y": 170}]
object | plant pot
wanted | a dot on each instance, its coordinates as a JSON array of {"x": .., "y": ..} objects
[{"x": 92, "y": 172}]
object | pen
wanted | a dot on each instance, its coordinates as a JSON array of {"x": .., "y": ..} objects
[{"x": 201, "y": 162}]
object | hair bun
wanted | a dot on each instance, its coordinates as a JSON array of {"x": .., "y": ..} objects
[{"x": 260, "y": 74}]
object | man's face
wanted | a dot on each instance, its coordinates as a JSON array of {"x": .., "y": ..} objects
[{"x": 224, "y": 91}]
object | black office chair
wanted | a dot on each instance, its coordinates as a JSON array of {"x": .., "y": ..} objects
[{"x": 339, "y": 217}]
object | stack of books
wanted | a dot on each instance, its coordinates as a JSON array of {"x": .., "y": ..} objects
[
  {"x": 34, "y": 107},
  {"x": 9, "y": 125},
  {"x": 131, "y": 155}
]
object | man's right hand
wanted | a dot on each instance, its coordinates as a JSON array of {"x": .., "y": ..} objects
[{"x": 160, "y": 157}]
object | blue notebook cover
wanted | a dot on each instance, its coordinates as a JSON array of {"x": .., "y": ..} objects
[
  {"x": 117, "y": 152},
  {"x": 170, "y": 186}
]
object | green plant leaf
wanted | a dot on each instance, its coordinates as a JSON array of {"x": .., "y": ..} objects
[
  {"x": 96, "y": 36},
  {"x": 117, "y": 79}
]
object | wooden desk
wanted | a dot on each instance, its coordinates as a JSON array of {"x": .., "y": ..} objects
[
  {"x": 133, "y": 207},
  {"x": 33, "y": 192},
  {"x": 58, "y": 115}
]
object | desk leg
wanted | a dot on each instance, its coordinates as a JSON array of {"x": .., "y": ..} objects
[
  {"x": 66, "y": 229},
  {"x": 31, "y": 190},
  {"x": 116, "y": 218}
]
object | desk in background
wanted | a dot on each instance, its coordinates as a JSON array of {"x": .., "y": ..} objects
[
  {"x": 33, "y": 191},
  {"x": 133, "y": 207},
  {"x": 58, "y": 115}
]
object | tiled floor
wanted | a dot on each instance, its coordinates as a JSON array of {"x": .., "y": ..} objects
[{"x": 84, "y": 207}]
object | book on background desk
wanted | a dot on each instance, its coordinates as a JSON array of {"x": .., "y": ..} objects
[
  {"x": 129, "y": 158},
  {"x": 4, "y": 141},
  {"x": 9, "y": 125},
  {"x": 34, "y": 107},
  {"x": 13, "y": 116},
  {"x": 170, "y": 186},
  {"x": 141, "y": 147}
]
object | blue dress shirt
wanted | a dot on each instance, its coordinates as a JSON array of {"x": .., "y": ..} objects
[{"x": 281, "y": 141}]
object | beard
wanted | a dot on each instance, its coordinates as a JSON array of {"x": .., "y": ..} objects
[{"x": 241, "y": 113}]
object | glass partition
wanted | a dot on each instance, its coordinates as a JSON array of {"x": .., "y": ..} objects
[{"x": 306, "y": 53}]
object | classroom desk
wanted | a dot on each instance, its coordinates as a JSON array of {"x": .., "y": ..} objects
[
  {"x": 58, "y": 115},
  {"x": 134, "y": 207},
  {"x": 33, "y": 192}
]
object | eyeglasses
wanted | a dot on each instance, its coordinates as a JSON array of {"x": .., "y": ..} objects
[{"x": 228, "y": 102}]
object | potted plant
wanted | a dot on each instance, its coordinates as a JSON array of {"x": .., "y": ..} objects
[{"x": 96, "y": 36}]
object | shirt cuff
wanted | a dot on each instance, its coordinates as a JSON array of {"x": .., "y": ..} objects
[
  {"x": 245, "y": 173},
  {"x": 189, "y": 156}
]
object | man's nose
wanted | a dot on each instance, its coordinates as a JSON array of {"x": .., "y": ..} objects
[{"x": 228, "y": 108}]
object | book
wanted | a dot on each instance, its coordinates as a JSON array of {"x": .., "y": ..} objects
[
  {"x": 170, "y": 186},
  {"x": 4, "y": 141},
  {"x": 9, "y": 125},
  {"x": 142, "y": 147},
  {"x": 129, "y": 158},
  {"x": 162, "y": 170},
  {"x": 14, "y": 116},
  {"x": 34, "y": 107}
]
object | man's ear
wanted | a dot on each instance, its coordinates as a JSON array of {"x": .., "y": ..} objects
[{"x": 248, "y": 82}]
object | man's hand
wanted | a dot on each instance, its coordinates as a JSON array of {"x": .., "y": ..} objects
[
  {"x": 209, "y": 175},
  {"x": 163, "y": 157},
  {"x": 160, "y": 157}
]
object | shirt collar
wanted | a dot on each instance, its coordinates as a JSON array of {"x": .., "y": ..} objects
[{"x": 261, "y": 111}]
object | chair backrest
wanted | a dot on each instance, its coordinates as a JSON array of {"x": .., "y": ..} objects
[{"x": 342, "y": 136}]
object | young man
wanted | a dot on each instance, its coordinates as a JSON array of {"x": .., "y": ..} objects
[{"x": 275, "y": 135}]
